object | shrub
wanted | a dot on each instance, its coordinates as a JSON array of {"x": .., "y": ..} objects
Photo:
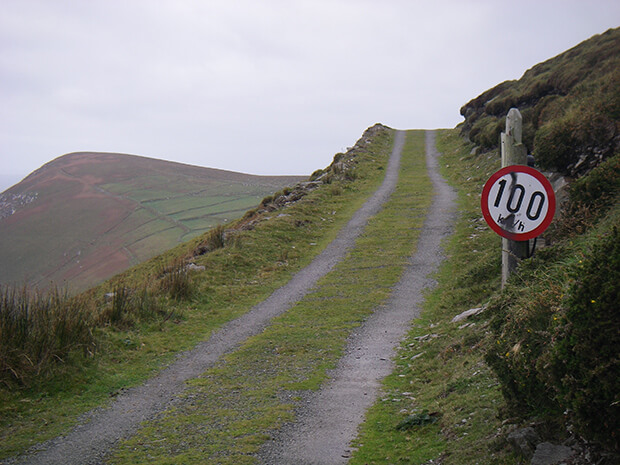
[
  {"x": 555, "y": 339},
  {"x": 177, "y": 282},
  {"x": 584, "y": 362},
  {"x": 267, "y": 200},
  {"x": 590, "y": 197},
  {"x": 316, "y": 175},
  {"x": 215, "y": 238},
  {"x": 486, "y": 131},
  {"x": 335, "y": 189},
  {"x": 129, "y": 306},
  {"x": 583, "y": 133},
  {"x": 521, "y": 334},
  {"x": 600, "y": 187}
]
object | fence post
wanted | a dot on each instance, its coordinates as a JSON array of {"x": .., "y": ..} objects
[{"x": 513, "y": 153}]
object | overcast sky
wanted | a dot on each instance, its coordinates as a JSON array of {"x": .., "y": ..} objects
[{"x": 258, "y": 86}]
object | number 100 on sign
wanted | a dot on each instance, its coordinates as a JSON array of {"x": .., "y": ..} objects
[{"x": 518, "y": 202}]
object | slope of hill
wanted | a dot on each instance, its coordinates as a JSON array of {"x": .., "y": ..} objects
[
  {"x": 554, "y": 330},
  {"x": 87, "y": 216},
  {"x": 570, "y": 106}
]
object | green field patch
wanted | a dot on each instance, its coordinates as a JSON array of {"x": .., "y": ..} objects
[
  {"x": 178, "y": 205},
  {"x": 232, "y": 209},
  {"x": 214, "y": 206},
  {"x": 149, "y": 245},
  {"x": 206, "y": 222},
  {"x": 143, "y": 188},
  {"x": 133, "y": 225}
]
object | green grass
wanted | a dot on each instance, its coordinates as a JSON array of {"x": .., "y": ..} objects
[
  {"x": 231, "y": 410},
  {"x": 440, "y": 366},
  {"x": 237, "y": 276}
]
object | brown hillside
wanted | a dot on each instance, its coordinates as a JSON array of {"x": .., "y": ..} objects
[{"x": 87, "y": 216}]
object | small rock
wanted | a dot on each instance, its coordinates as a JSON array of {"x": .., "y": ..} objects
[
  {"x": 109, "y": 297},
  {"x": 551, "y": 454},
  {"x": 467, "y": 314},
  {"x": 426, "y": 337},
  {"x": 523, "y": 441},
  {"x": 194, "y": 267}
]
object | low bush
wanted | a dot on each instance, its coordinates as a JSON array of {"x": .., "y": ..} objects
[
  {"x": 583, "y": 132},
  {"x": 584, "y": 362},
  {"x": 128, "y": 307},
  {"x": 600, "y": 188},
  {"x": 486, "y": 131},
  {"x": 589, "y": 198},
  {"x": 316, "y": 174},
  {"x": 555, "y": 335},
  {"x": 176, "y": 282},
  {"x": 267, "y": 200},
  {"x": 215, "y": 238}
]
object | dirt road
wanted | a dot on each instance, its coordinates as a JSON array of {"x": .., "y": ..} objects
[
  {"x": 100, "y": 430},
  {"x": 329, "y": 420}
]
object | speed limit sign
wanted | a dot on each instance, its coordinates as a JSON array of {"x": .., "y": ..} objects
[{"x": 518, "y": 202}]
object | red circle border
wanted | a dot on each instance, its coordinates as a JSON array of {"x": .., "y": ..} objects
[{"x": 550, "y": 195}]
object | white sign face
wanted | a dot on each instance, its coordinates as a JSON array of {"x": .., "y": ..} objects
[{"x": 518, "y": 202}]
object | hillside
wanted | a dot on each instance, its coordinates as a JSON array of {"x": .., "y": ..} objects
[
  {"x": 87, "y": 216},
  {"x": 553, "y": 332},
  {"x": 570, "y": 106}
]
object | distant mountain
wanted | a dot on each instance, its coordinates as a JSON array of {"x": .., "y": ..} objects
[{"x": 86, "y": 216}]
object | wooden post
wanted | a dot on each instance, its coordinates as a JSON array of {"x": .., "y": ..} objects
[{"x": 513, "y": 153}]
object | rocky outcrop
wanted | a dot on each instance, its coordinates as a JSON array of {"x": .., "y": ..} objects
[
  {"x": 11, "y": 203},
  {"x": 341, "y": 168},
  {"x": 524, "y": 441}
]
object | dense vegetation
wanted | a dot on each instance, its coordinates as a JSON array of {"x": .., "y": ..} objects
[{"x": 570, "y": 106}]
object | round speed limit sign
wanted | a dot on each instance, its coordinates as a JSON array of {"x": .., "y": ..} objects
[{"x": 518, "y": 202}]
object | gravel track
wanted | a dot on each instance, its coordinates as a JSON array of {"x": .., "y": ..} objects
[
  {"x": 329, "y": 420},
  {"x": 101, "y": 429}
]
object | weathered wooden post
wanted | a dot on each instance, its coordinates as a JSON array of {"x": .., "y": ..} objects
[
  {"x": 517, "y": 201},
  {"x": 513, "y": 153}
]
